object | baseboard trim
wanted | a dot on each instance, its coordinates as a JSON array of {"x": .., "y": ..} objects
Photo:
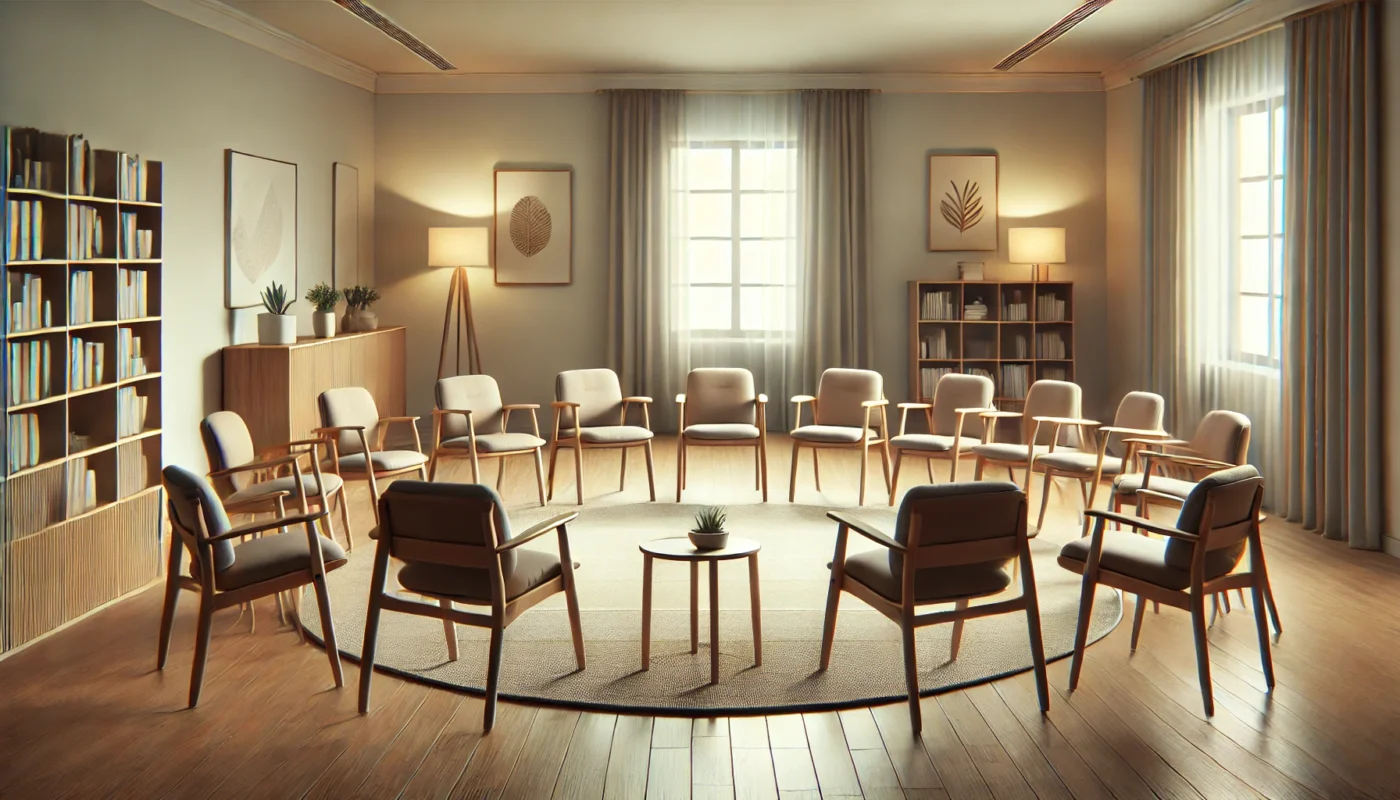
[{"x": 1390, "y": 546}]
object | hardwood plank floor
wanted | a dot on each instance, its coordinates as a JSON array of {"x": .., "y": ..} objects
[{"x": 86, "y": 715}]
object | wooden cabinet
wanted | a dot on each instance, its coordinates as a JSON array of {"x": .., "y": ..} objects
[{"x": 274, "y": 387}]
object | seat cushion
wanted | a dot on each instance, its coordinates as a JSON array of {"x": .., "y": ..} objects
[
  {"x": 288, "y": 484},
  {"x": 532, "y": 568},
  {"x": 721, "y": 431},
  {"x": 496, "y": 442},
  {"x": 1079, "y": 461},
  {"x": 930, "y": 585},
  {"x": 931, "y": 442},
  {"x": 1127, "y": 485},
  {"x": 383, "y": 460},
  {"x": 610, "y": 434},
  {"x": 270, "y": 557},
  {"x": 1013, "y": 453},
  {"x": 831, "y": 434},
  {"x": 1146, "y": 559}
]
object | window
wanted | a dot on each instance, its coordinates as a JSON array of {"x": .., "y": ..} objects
[
  {"x": 1257, "y": 228},
  {"x": 741, "y": 238}
]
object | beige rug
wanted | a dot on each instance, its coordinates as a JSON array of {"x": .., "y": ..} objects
[{"x": 866, "y": 666}]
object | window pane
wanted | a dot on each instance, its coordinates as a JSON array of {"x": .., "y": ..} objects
[
  {"x": 1254, "y": 208},
  {"x": 710, "y": 214},
  {"x": 765, "y": 168},
  {"x": 1278, "y": 205},
  {"x": 764, "y": 261},
  {"x": 1279, "y": 129},
  {"x": 1254, "y": 265},
  {"x": 1254, "y": 144},
  {"x": 711, "y": 308},
  {"x": 711, "y": 261},
  {"x": 763, "y": 214},
  {"x": 763, "y": 308},
  {"x": 710, "y": 168},
  {"x": 1277, "y": 262},
  {"x": 1254, "y": 325}
]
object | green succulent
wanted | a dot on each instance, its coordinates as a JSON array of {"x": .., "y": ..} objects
[
  {"x": 710, "y": 519},
  {"x": 323, "y": 297},
  {"x": 361, "y": 296},
  {"x": 274, "y": 299}
]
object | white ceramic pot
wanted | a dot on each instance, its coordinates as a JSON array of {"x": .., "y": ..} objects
[
  {"x": 277, "y": 329},
  {"x": 709, "y": 541},
  {"x": 323, "y": 324}
]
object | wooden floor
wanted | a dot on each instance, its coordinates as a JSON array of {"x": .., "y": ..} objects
[{"x": 83, "y": 714}]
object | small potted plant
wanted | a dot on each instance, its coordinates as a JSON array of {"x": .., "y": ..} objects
[
  {"x": 324, "y": 299},
  {"x": 358, "y": 317},
  {"x": 709, "y": 532},
  {"x": 276, "y": 326}
]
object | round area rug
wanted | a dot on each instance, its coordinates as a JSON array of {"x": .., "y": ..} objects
[{"x": 798, "y": 540}]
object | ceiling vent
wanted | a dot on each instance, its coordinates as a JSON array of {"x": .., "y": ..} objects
[
  {"x": 388, "y": 27},
  {"x": 1052, "y": 33}
]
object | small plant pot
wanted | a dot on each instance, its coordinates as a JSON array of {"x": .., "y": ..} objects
[
  {"x": 359, "y": 320},
  {"x": 277, "y": 329},
  {"x": 323, "y": 324},
  {"x": 709, "y": 541}
]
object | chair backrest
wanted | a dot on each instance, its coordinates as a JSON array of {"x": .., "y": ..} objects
[
  {"x": 191, "y": 499},
  {"x": 720, "y": 396},
  {"x": 1223, "y": 509},
  {"x": 840, "y": 393},
  {"x": 1048, "y": 398},
  {"x": 1223, "y": 436},
  {"x": 954, "y": 524},
  {"x": 479, "y": 394},
  {"x": 955, "y": 391},
  {"x": 1141, "y": 410},
  {"x": 597, "y": 392},
  {"x": 227, "y": 443},
  {"x": 352, "y": 405},
  {"x": 458, "y": 524}
]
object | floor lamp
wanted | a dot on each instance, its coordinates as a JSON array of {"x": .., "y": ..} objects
[{"x": 459, "y": 248}]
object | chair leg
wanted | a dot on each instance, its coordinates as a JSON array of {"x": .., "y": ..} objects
[
  {"x": 864, "y": 467},
  {"x": 323, "y": 602},
  {"x": 296, "y": 614},
  {"x": 894, "y": 480},
  {"x": 1081, "y": 632},
  {"x": 578, "y": 472},
  {"x": 432, "y": 467},
  {"x": 651, "y": 473},
  {"x": 1140, "y": 607},
  {"x": 956, "y": 643},
  {"x": 694, "y": 607},
  {"x": 1266, "y": 656},
  {"x": 376, "y": 593},
  {"x": 792, "y": 481},
  {"x": 757, "y": 469},
  {"x": 373, "y": 493},
  {"x": 493, "y": 674},
  {"x": 449, "y": 629},
  {"x": 1044, "y": 499},
  {"x": 911, "y": 669},
  {"x": 1198, "y": 627},
  {"x": 500, "y": 473},
  {"x": 979, "y": 469},
  {"x": 763, "y": 462},
  {"x": 680, "y": 465},
  {"x": 817, "y": 467},
  {"x": 201, "y": 648},
  {"x": 172, "y": 597},
  {"x": 553, "y": 458},
  {"x": 885, "y": 464},
  {"x": 476, "y": 467},
  {"x": 833, "y": 604},
  {"x": 1256, "y": 564},
  {"x": 952, "y": 470},
  {"x": 622, "y": 474},
  {"x": 928, "y": 464},
  {"x": 344, "y": 507},
  {"x": 539, "y": 476},
  {"x": 575, "y": 624},
  {"x": 1042, "y": 677}
]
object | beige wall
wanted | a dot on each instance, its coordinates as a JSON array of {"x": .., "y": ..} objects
[
  {"x": 137, "y": 79},
  {"x": 1127, "y": 339}
]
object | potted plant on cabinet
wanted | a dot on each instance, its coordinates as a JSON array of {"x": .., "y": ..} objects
[
  {"x": 324, "y": 298},
  {"x": 276, "y": 326},
  {"x": 358, "y": 317},
  {"x": 709, "y": 532}
]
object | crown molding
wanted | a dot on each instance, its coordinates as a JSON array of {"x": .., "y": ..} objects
[
  {"x": 1238, "y": 20},
  {"x": 250, "y": 30},
  {"x": 587, "y": 83}
]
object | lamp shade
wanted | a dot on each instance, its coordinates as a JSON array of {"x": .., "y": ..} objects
[
  {"x": 1036, "y": 245},
  {"x": 458, "y": 247}
]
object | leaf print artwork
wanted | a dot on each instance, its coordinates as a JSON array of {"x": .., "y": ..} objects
[
  {"x": 530, "y": 226},
  {"x": 962, "y": 208},
  {"x": 257, "y": 243}
]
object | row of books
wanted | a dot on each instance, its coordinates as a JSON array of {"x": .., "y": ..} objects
[
  {"x": 135, "y": 242},
  {"x": 1054, "y": 373},
  {"x": 131, "y": 412},
  {"x": 131, "y": 177},
  {"x": 30, "y": 363},
  {"x": 1049, "y": 308},
  {"x": 84, "y": 233},
  {"x": 1015, "y": 381},
  {"x": 935, "y": 345},
  {"x": 23, "y": 441},
  {"x": 132, "y": 470},
  {"x": 131, "y": 361},
  {"x": 82, "y": 487},
  {"x": 30, "y": 173},
  {"x": 980, "y": 348},
  {"x": 80, "y": 297},
  {"x": 132, "y": 291},
  {"x": 1017, "y": 346},
  {"x": 1050, "y": 344},
  {"x": 1015, "y": 312},
  {"x": 937, "y": 305},
  {"x": 29, "y": 311},
  {"x": 82, "y": 177},
  {"x": 26, "y": 222},
  {"x": 85, "y": 364},
  {"x": 928, "y": 379}
]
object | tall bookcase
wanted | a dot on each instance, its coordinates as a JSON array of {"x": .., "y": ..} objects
[
  {"x": 1014, "y": 332},
  {"x": 81, "y": 358}
]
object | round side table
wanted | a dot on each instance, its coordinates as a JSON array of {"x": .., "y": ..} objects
[{"x": 679, "y": 548}]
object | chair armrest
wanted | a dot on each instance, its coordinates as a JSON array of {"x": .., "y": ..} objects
[
  {"x": 864, "y": 530},
  {"x": 339, "y": 429},
  {"x": 537, "y": 530},
  {"x": 277, "y": 449},
  {"x": 1144, "y": 524},
  {"x": 1142, "y": 432},
  {"x": 915, "y": 405},
  {"x": 636, "y": 399},
  {"x": 520, "y": 407},
  {"x": 680, "y": 398},
  {"x": 1190, "y": 461},
  {"x": 562, "y": 404},
  {"x": 1000, "y": 414},
  {"x": 1066, "y": 421},
  {"x": 1170, "y": 498},
  {"x": 447, "y": 412},
  {"x": 252, "y": 466},
  {"x": 979, "y": 410},
  {"x": 399, "y": 419},
  {"x": 873, "y": 403},
  {"x": 1158, "y": 442},
  {"x": 761, "y": 399},
  {"x": 269, "y": 524},
  {"x": 803, "y": 398}
]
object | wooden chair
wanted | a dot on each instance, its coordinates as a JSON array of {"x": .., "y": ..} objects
[
  {"x": 590, "y": 413},
  {"x": 952, "y": 422},
  {"x": 225, "y": 574},
  {"x": 349, "y": 420},
  {"x": 842, "y": 420},
  {"x": 471, "y": 422},
  {"x": 456, "y": 545},
  {"x": 1200, "y": 557},
  {"x": 951, "y": 544},
  {"x": 1221, "y": 441},
  {"x": 1054, "y": 402},
  {"x": 721, "y": 408}
]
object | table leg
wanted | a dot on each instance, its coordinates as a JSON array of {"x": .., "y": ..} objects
[
  {"x": 694, "y": 607},
  {"x": 714, "y": 621},
  {"x": 756, "y": 611},
  {"x": 646, "y": 612}
]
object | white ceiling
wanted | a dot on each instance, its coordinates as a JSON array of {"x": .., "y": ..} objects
[{"x": 733, "y": 36}]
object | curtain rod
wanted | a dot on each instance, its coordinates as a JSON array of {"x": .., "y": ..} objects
[{"x": 735, "y": 91}]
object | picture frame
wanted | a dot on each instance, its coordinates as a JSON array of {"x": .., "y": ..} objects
[
  {"x": 345, "y": 225},
  {"x": 260, "y": 227},
  {"x": 533, "y": 227},
  {"x": 963, "y": 196}
]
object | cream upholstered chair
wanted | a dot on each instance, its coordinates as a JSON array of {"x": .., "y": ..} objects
[
  {"x": 1200, "y": 556},
  {"x": 455, "y": 542},
  {"x": 1221, "y": 440},
  {"x": 243, "y": 478},
  {"x": 225, "y": 574},
  {"x": 1139, "y": 416},
  {"x": 843, "y": 417},
  {"x": 1050, "y": 407},
  {"x": 951, "y": 544},
  {"x": 952, "y": 421},
  {"x": 721, "y": 408},
  {"x": 349, "y": 421},
  {"x": 590, "y": 413},
  {"x": 471, "y": 422}
]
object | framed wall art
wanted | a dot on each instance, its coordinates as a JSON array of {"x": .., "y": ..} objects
[
  {"x": 962, "y": 202},
  {"x": 534, "y": 226},
  {"x": 260, "y": 227},
  {"x": 345, "y": 226}
]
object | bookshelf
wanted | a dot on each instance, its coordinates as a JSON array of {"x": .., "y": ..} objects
[
  {"x": 81, "y": 366},
  {"x": 1014, "y": 332}
]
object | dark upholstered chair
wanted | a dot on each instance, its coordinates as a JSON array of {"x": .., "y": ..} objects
[
  {"x": 1199, "y": 557},
  {"x": 225, "y": 574},
  {"x": 721, "y": 408},
  {"x": 952, "y": 422},
  {"x": 844, "y": 416},
  {"x": 590, "y": 413},
  {"x": 952, "y": 543},
  {"x": 350, "y": 421},
  {"x": 471, "y": 422},
  {"x": 455, "y": 542}
]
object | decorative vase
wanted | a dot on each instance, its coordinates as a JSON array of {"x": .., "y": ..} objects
[
  {"x": 277, "y": 329},
  {"x": 709, "y": 541},
  {"x": 323, "y": 324},
  {"x": 359, "y": 320}
]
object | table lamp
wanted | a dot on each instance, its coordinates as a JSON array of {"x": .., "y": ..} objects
[
  {"x": 1039, "y": 247},
  {"x": 459, "y": 248}
]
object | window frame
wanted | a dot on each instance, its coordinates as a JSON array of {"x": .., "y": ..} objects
[{"x": 1275, "y": 178}]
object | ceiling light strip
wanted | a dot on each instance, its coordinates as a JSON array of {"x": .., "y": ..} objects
[
  {"x": 389, "y": 28},
  {"x": 1052, "y": 33}
]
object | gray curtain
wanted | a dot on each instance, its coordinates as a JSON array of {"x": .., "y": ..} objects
[
  {"x": 1332, "y": 276},
  {"x": 644, "y": 129}
]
